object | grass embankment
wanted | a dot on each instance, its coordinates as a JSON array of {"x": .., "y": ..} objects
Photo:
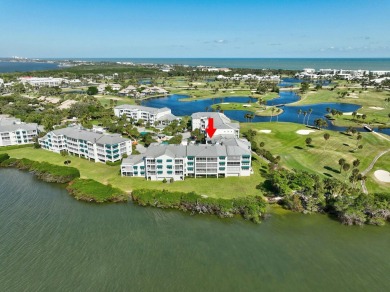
[
  {"x": 92, "y": 191},
  {"x": 383, "y": 163},
  {"x": 322, "y": 156},
  {"x": 229, "y": 187},
  {"x": 251, "y": 208},
  {"x": 258, "y": 110},
  {"x": 43, "y": 170},
  {"x": 373, "y": 104}
]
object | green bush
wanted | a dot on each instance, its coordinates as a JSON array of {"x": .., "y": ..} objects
[
  {"x": 250, "y": 208},
  {"x": 3, "y": 157},
  {"x": 114, "y": 163},
  {"x": 93, "y": 191},
  {"x": 43, "y": 170}
]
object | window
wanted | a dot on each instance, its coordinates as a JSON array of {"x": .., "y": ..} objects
[
  {"x": 159, "y": 160},
  {"x": 159, "y": 166},
  {"x": 169, "y": 160},
  {"x": 169, "y": 171}
]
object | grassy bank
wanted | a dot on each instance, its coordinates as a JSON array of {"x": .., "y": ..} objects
[
  {"x": 90, "y": 190},
  {"x": 43, "y": 170},
  {"x": 229, "y": 187}
]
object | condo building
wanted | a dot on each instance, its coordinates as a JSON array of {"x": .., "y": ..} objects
[
  {"x": 222, "y": 123},
  {"x": 90, "y": 145},
  {"x": 178, "y": 161},
  {"x": 42, "y": 81},
  {"x": 14, "y": 132},
  {"x": 150, "y": 115}
]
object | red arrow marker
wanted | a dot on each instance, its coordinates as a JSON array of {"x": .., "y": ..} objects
[{"x": 210, "y": 128}]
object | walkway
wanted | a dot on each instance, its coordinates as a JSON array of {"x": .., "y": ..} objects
[{"x": 368, "y": 169}]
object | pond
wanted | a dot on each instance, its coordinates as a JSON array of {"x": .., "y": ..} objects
[{"x": 290, "y": 112}]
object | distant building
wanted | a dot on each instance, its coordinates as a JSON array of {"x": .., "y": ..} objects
[
  {"x": 14, "y": 132},
  {"x": 222, "y": 123},
  {"x": 178, "y": 161},
  {"x": 42, "y": 81},
  {"x": 149, "y": 114},
  {"x": 91, "y": 145}
]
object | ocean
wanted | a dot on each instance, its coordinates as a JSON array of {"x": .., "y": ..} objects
[
  {"x": 265, "y": 63},
  {"x": 250, "y": 63}
]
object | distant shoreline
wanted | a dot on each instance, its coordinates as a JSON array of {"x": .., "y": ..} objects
[{"x": 248, "y": 63}]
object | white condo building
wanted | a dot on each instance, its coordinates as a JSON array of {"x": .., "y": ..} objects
[
  {"x": 42, "y": 81},
  {"x": 222, "y": 123},
  {"x": 87, "y": 144},
  {"x": 148, "y": 114},
  {"x": 178, "y": 161},
  {"x": 14, "y": 132}
]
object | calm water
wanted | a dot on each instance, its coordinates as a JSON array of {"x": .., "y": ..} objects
[
  {"x": 49, "y": 242},
  {"x": 25, "y": 67},
  {"x": 260, "y": 63},
  {"x": 290, "y": 112}
]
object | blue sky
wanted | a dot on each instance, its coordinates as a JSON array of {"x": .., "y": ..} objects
[{"x": 169, "y": 28}]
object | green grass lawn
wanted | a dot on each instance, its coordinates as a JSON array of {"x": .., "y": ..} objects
[
  {"x": 220, "y": 188},
  {"x": 322, "y": 158},
  {"x": 372, "y": 183}
]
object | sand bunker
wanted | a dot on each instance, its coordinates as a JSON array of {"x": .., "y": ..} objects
[
  {"x": 304, "y": 132},
  {"x": 225, "y": 103},
  {"x": 382, "y": 175},
  {"x": 246, "y": 105},
  {"x": 377, "y": 108},
  {"x": 265, "y": 131}
]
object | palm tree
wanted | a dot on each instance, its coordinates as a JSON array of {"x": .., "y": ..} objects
[
  {"x": 299, "y": 113},
  {"x": 341, "y": 163},
  {"x": 308, "y": 118},
  {"x": 272, "y": 113},
  {"x": 358, "y": 138},
  {"x": 277, "y": 114},
  {"x": 304, "y": 116},
  {"x": 326, "y": 137}
]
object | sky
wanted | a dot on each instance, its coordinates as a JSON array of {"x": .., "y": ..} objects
[{"x": 195, "y": 29}]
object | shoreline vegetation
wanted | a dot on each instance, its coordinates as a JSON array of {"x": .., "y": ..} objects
[
  {"x": 89, "y": 190},
  {"x": 250, "y": 208},
  {"x": 295, "y": 190}
]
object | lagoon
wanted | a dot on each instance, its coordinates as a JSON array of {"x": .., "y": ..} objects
[
  {"x": 290, "y": 112},
  {"x": 49, "y": 241}
]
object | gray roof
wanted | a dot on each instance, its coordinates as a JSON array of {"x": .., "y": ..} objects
[
  {"x": 167, "y": 117},
  {"x": 206, "y": 150},
  {"x": 230, "y": 140},
  {"x": 173, "y": 151},
  {"x": 133, "y": 159},
  {"x": 143, "y": 108},
  {"x": 92, "y": 137},
  {"x": 15, "y": 127},
  {"x": 220, "y": 120}
]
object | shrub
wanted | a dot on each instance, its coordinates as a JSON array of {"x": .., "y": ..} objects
[
  {"x": 3, "y": 157},
  {"x": 93, "y": 191},
  {"x": 114, "y": 163}
]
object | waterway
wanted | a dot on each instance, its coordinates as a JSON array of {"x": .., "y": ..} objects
[
  {"x": 290, "y": 112},
  {"x": 25, "y": 66},
  {"x": 51, "y": 242}
]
